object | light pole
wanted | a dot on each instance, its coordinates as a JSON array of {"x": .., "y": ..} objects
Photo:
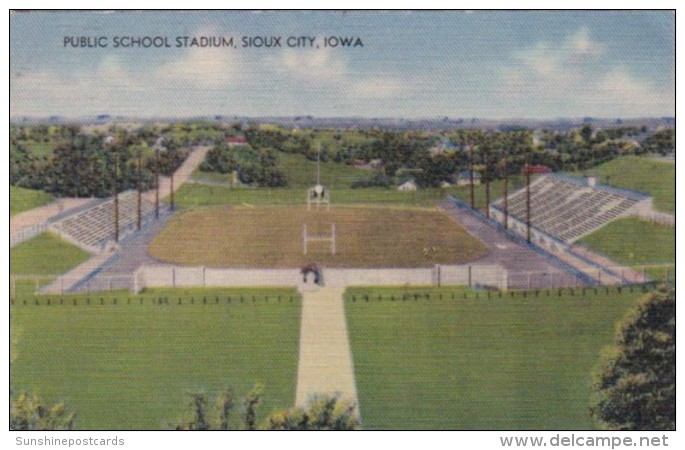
[
  {"x": 158, "y": 148},
  {"x": 109, "y": 144},
  {"x": 473, "y": 205},
  {"x": 116, "y": 196},
  {"x": 527, "y": 198},
  {"x": 487, "y": 184},
  {"x": 157, "y": 182},
  {"x": 505, "y": 199},
  {"x": 171, "y": 188},
  {"x": 140, "y": 164}
]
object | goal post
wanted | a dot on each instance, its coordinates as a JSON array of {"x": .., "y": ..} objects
[{"x": 330, "y": 238}]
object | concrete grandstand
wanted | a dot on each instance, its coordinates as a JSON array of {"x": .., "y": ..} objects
[
  {"x": 92, "y": 229},
  {"x": 563, "y": 208}
]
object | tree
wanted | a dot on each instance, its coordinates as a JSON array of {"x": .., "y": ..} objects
[
  {"x": 29, "y": 412},
  {"x": 322, "y": 413},
  {"x": 250, "y": 404},
  {"x": 635, "y": 385},
  {"x": 202, "y": 417},
  {"x": 586, "y": 133}
]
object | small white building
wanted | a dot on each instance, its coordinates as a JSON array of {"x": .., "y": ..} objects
[{"x": 407, "y": 186}]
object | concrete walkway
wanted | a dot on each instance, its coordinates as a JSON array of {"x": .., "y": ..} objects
[
  {"x": 325, "y": 365},
  {"x": 181, "y": 175},
  {"x": 65, "y": 282}
]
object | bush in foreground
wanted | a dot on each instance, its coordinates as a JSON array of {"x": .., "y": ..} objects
[{"x": 635, "y": 385}]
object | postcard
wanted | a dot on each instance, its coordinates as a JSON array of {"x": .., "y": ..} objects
[{"x": 340, "y": 220}]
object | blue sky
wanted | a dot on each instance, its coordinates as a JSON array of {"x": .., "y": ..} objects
[{"x": 412, "y": 64}]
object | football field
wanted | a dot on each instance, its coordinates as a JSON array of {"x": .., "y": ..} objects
[{"x": 271, "y": 236}]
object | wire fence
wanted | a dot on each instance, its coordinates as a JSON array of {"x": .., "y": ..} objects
[
  {"x": 122, "y": 298},
  {"x": 30, "y": 285},
  {"x": 520, "y": 294},
  {"x": 27, "y": 233},
  {"x": 140, "y": 300}
]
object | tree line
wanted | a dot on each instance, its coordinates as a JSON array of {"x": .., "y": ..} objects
[
  {"x": 86, "y": 165},
  {"x": 430, "y": 163},
  {"x": 252, "y": 166},
  {"x": 82, "y": 165}
]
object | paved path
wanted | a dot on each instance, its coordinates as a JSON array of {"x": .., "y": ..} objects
[
  {"x": 325, "y": 365},
  {"x": 182, "y": 174},
  {"x": 63, "y": 283},
  {"x": 526, "y": 268}
]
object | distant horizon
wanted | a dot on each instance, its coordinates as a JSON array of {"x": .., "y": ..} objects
[
  {"x": 213, "y": 117},
  {"x": 537, "y": 65}
]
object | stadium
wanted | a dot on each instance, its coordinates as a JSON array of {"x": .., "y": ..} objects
[{"x": 161, "y": 266}]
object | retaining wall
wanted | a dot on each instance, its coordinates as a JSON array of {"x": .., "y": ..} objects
[{"x": 180, "y": 276}]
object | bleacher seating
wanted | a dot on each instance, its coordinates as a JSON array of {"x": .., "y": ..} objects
[
  {"x": 93, "y": 227},
  {"x": 568, "y": 208}
]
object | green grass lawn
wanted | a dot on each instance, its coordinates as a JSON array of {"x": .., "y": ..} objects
[
  {"x": 656, "y": 178},
  {"x": 633, "y": 241},
  {"x": 22, "y": 199},
  {"x": 132, "y": 366},
  {"x": 301, "y": 172},
  {"x": 45, "y": 254},
  {"x": 197, "y": 195},
  {"x": 500, "y": 363}
]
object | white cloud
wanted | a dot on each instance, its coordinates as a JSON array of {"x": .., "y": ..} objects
[
  {"x": 572, "y": 79},
  {"x": 379, "y": 87},
  {"x": 203, "y": 66},
  {"x": 325, "y": 69},
  {"x": 82, "y": 93},
  {"x": 313, "y": 65}
]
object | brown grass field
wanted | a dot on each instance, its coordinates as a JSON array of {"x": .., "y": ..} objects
[{"x": 271, "y": 237}]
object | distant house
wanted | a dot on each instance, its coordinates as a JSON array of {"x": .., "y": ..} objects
[
  {"x": 236, "y": 140},
  {"x": 464, "y": 179},
  {"x": 535, "y": 170},
  {"x": 444, "y": 146},
  {"x": 407, "y": 186},
  {"x": 445, "y": 184},
  {"x": 109, "y": 140}
]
